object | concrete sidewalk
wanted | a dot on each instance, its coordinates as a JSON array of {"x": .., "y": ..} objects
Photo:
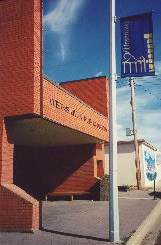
[{"x": 84, "y": 222}]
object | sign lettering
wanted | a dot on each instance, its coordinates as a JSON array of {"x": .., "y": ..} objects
[{"x": 75, "y": 114}]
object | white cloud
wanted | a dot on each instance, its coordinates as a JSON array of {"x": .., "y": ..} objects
[
  {"x": 63, "y": 15},
  {"x": 123, "y": 103},
  {"x": 152, "y": 117},
  {"x": 60, "y": 21},
  {"x": 63, "y": 48},
  {"x": 143, "y": 101},
  {"x": 159, "y": 155},
  {"x": 148, "y": 115},
  {"x": 149, "y": 133},
  {"x": 158, "y": 67},
  {"x": 149, "y": 86},
  {"x": 121, "y": 133},
  {"x": 119, "y": 126},
  {"x": 149, "y": 125},
  {"x": 99, "y": 73},
  {"x": 123, "y": 112}
]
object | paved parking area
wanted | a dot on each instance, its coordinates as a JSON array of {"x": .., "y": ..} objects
[{"x": 84, "y": 222}]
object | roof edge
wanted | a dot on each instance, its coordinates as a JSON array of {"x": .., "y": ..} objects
[
  {"x": 75, "y": 97},
  {"x": 140, "y": 141},
  {"x": 84, "y": 79}
]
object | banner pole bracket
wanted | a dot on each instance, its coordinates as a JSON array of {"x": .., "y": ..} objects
[{"x": 114, "y": 18}]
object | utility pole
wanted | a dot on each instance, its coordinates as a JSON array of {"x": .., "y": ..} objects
[
  {"x": 136, "y": 147},
  {"x": 113, "y": 203}
]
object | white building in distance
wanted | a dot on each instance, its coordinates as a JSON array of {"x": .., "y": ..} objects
[{"x": 126, "y": 164}]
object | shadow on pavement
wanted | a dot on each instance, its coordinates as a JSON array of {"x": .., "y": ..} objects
[
  {"x": 157, "y": 194},
  {"x": 75, "y": 235}
]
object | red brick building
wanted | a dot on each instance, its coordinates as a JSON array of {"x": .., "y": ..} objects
[{"x": 51, "y": 136}]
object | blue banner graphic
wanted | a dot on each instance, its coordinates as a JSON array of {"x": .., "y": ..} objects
[
  {"x": 150, "y": 168},
  {"x": 137, "y": 52}
]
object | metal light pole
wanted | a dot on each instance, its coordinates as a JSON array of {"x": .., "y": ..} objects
[{"x": 113, "y": 204}]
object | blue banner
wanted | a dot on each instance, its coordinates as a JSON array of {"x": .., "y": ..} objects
[{"x": 137, "y": 52}]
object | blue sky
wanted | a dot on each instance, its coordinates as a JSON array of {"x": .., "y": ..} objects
[{"x": 76, "y": 43}]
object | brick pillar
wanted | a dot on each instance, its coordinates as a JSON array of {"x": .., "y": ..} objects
[
  {"x": 18, "y": 210},
  {"x": 20, "y": 86}
]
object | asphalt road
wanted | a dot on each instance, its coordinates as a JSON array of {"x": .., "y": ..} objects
[{"x": 84, "y": 222}]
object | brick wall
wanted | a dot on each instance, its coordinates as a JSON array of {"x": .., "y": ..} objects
[
  {"x": 61, "y": 107},
  {"x": 20, "y": 63},
  {"x": 18, "y": 210},
  {"x": 24, "y": 92},
  {"x": 93, "y": 91},
  {"x": 20, "y": 85},
  {"x": 6, "y": 152},
  {"x": 63, "y": 168}
]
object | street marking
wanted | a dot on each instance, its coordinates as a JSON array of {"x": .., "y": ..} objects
[{"x": 137, "y": 198}]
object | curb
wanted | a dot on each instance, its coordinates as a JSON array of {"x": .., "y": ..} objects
[{"x": 146, "y": 226}]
